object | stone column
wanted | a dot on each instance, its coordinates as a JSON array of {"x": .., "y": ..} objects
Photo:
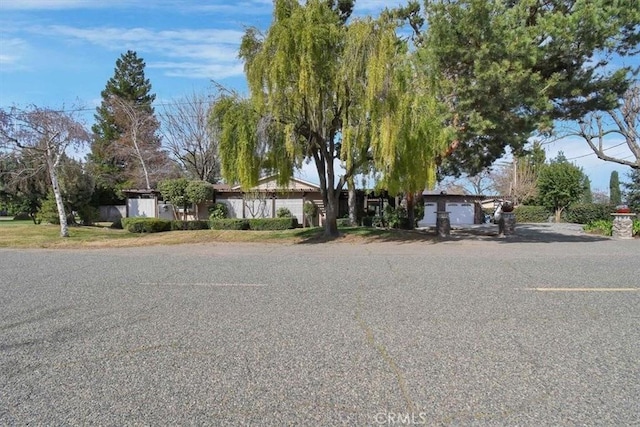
[
  {"x": 507, "y": 224},
  {"x": 623, "y": 225},
  {"x": 443, "y": 224}
]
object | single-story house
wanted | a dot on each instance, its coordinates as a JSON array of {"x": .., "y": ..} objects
[
  {"x": 264, "y": 200},
  {"x": 464, "y": 209}
]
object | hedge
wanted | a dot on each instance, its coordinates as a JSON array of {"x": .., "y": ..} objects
[
  {"x": 527, "y": 213},
  {"x": 146, "y": 225},
  {"x": 260, "y": 224},
  {"x": 585, "y": 213},
  {"x": 229, "y": 224},
  {"x": 189, "y": 225}
]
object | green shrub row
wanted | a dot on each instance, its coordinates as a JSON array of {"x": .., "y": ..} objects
[
  {"x": 284, "y": 223},
  {"x": 527, "y": 213},
  {"x": 258, "y": 224},
  {"x": 189, "y": 225},
  {"x": 584, "y": 213},
  {"x": 229, "y": 224},
  {"x": 156, "y": 225},
  {"x": 146, "y": 225}
]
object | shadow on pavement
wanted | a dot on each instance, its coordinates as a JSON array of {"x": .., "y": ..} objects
[{"x": 525, "y": 233}]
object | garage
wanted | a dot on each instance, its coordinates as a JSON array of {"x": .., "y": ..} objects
[
  {"x": 461, "y": 213},
  {"x": 430, "y": 215}
]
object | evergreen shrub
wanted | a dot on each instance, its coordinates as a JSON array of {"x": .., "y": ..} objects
[
  {"x": 527, "y": 213},
  {"x": 584, "y": 213},
  {"x": 146, "y": 225},
  {"x": 261, "y": 224},
  {"x": 189, "y": 225},
  {"x": 229, "y": 224}
]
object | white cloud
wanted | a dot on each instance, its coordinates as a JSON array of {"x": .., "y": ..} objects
[
  {"x": 53, "y": 4},
  {"x": 251, "y": 7},
  {"x": 12, "y": 53},
  {"x": 199, "y": 70},
  {"x": 113, "y": 38},
  {"x": 181, "y": 53}
]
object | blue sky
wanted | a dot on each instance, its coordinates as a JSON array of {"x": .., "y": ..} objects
[{"x": 60, "y": 53}]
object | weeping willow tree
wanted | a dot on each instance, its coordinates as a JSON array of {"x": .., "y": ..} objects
[{"x": 328, "y": 90}]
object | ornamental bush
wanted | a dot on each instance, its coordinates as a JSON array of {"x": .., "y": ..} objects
[
  {"x": 146, "y": 225},
  {"x": 261, "y": 224},
  {"x": 283, "y": 213},
  {"x": 527, "y": 213},
  {"x": 229, "y": 224},
  {"x": 218, "y": 211}
]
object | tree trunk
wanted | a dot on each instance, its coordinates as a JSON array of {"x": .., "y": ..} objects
[
  {"x": 331, "y": 219},
  {"x": 353, "y": 213},
  {"x": 64, "y": 228},
  {"x": 411, "y": 214},
  {"x": 559, "y": 214}
]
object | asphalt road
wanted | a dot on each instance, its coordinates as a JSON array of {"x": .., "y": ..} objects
[{"x": 422, "y": 333}]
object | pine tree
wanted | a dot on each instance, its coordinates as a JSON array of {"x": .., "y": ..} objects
[
  {"x": 111, "y": 166},
  {"x": 615, "y": 196}
]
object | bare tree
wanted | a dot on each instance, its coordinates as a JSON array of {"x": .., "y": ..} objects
[
  {"x": 481, "y": 183},
  {"x": 45, "y": 134},
  {"x": 255, "y": 202},
  {"x": 189, "y": 138},
  {"x": 140, "y": 144},
  {"x": 517, "y": 180},
  {"x": 626, "y": 119}
]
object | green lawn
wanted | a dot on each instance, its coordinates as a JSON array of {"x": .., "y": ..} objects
[{"x": 25, "y": 234}]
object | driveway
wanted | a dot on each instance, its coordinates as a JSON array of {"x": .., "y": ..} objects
[{"x": 474, "y": 330}]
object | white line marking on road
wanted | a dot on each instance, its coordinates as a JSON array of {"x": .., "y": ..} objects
[
  {"x": 584, "y": 289},
  {"x": 211, "y": 285}
]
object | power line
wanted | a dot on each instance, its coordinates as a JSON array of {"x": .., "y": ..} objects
[{"x": 593, "y": 153}]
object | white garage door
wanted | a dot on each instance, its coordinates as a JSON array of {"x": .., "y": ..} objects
[
  {"x": 294, "y": 205},
  {"x": 430, "y": 215},
  {"x": 234, "y": 206},
  {"x": 461, "y": 213}
]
